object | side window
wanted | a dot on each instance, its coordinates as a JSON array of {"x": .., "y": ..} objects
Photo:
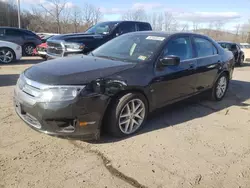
[
  {"x": 143, "y": 27},
  {"x": 1, "y": 32},
  {"x": 126, "y": 27},
  {"x": 204, "y": 47},
  {"x": 13, "y": 32},
  {"x": 180, "y": 47}
]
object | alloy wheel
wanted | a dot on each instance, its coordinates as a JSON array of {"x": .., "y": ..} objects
[
  {"x": 6, "y": 56},
  {"x": 132, "y": 116},
  {"x": 29, "y": 50},
  {"x": 221, "y": 87}
]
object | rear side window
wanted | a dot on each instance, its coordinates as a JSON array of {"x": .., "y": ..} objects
[
  {"x": 126, "y": 27},
  {"x": 204, "y": 47},
  {"x": 143, "y": 27},
  {"x": 180, "y": 47},
  {"x": 13, "y": 32}
]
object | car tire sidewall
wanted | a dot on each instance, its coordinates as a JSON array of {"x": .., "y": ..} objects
[
  {"x": 13, "y": 53},
  {"x": 26, "y": 46},
  {"x": 214, "y": 95},
  {"x": 116, "y": 109}
]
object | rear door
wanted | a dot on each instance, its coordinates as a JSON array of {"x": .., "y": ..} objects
[
  {"x": 208, "y": 60},
  {"x": 174, "y": 82},
  {"x": 14, "y": 35}
]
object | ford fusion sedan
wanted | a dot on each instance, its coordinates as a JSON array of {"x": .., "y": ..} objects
[{"x": 119, "y": 83}]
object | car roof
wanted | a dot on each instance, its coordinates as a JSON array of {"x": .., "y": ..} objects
[
  {"x": 124, "y": 21},
  {"x": 227, "y": 42},
  {"x": 15, "y": 28},
  {"x": 166, "y": 34}
]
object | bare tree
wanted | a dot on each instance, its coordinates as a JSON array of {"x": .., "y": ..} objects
[
  {"x": 196, "y": 26},
  {"x": 55, "y": 9},
  {"x": 170, "y": 22},
  {"x": 90, "y": 14},
  {"x": 76, "y": 19},
  {"x": 135, "y": 15}
]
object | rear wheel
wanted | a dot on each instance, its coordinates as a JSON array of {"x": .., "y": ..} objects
[
  {"x": 28, "y": 49},
  {"x": 220, "y": 87},
  {"x": 241, "y": 61},
  {"x": 127, "y": 114},
  {"x": 7, "y": 55}
]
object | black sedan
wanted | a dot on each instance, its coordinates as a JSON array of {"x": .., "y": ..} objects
[{"x": 119, "y": 83}]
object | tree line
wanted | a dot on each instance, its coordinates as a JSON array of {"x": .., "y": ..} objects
[{"x": 59, "y": 16}]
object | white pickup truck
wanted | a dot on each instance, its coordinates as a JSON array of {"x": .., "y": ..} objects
[{"x": 9, "y": 52}]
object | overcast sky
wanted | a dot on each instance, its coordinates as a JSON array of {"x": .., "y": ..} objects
[{"x": 231, "y": 11}]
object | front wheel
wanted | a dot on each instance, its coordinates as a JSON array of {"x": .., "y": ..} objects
[
  {"x": 127, "y": 114},
  {"x": 6, "y": 55},
  {"x": 220, "y": 87}
]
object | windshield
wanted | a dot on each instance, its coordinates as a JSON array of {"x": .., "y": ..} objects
[
  {"x": 131, "y": 48},
  {"x": 102, "y": 28},
  {"x": 227, "y": 46}
]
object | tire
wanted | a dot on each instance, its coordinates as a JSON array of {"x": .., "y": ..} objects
[
  {"x": 220, "y": 87},
  {"x": 7, "y": 55},
  {"x": 28, "y": 49},
  {"x": 241, "y": 61},
  {"x": 115, "y": 122}
]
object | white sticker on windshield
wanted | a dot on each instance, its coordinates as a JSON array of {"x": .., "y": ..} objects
[{"x": 155, "y": 38}]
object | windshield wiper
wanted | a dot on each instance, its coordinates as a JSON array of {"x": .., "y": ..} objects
[{"x": 107, "y": 57}]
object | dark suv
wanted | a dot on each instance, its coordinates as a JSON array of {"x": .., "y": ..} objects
[
  {"x": 77, "y": 43},
  {"x": 25, "y": 38}
]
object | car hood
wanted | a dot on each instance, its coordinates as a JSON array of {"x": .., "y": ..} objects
[
  {"x": 73, "y": 37},
  {"x": 75, "y": 70}
]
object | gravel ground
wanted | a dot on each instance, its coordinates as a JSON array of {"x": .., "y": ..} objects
[{"x": 196, "y": 143}]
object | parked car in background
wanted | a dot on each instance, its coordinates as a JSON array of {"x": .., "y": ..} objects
[
  {"x": 9, "y": 52},
  {"x": 235, "y": 48},
  {"x": 41, "y": 50},
  {"x": 245, "y": 47},
  {"x": 25, "y": 38},
  {"x": 119, "y": 83},
  {"x": 82, "y": 43}
]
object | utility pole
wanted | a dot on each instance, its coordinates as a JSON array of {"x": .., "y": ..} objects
[{"x": 18, "y": 12}]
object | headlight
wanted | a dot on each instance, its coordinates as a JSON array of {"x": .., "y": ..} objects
[
  {"x": 74, "y": 46},
  {"x": 60, "y": 93}
]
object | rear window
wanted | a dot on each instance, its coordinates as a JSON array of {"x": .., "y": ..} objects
[
  {"x": 143, "y": 27},
  {"x": 27, "y": 32}
]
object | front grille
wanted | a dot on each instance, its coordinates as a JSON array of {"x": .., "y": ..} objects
[
  {"x": 40, "y": 49},
  {"x": 55, "y": 49},
  {"x": 27, "y": 87}
]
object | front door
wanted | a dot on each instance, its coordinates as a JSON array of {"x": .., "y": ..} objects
[{"x": 175, "y": 82}]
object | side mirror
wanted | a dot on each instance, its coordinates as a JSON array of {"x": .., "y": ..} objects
[{"x": 170, "y": 61}]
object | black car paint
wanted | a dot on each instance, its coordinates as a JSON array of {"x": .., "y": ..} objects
[
  {"x": 238, "y": 53},
  {"x": 92, "y": 41},
  {"x": 160, "y": 85}
]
